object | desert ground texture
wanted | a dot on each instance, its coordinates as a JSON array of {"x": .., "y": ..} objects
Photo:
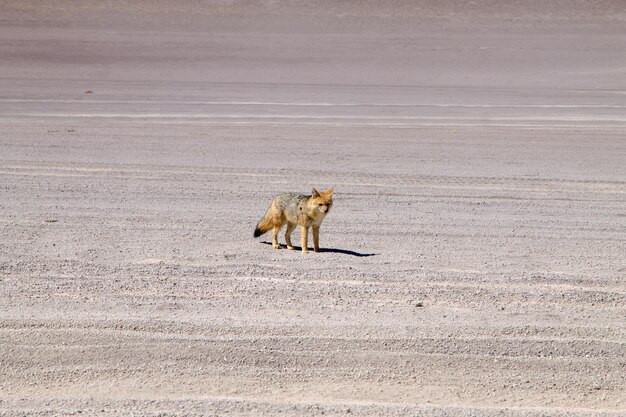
[{"x": 473, "y": 263}]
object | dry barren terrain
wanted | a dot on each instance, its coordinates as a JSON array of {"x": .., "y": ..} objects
[{"x": 474, "y": 261}]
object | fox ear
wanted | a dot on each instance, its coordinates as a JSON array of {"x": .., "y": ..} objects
[
  {"x": 330, "y": 191},
  {"x": 315, "y": 193}
]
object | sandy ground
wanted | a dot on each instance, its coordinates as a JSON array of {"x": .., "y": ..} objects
[{"x": 473, "y": 263}]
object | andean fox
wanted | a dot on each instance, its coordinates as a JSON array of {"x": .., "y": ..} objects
[{"x": 306, "y": 211}]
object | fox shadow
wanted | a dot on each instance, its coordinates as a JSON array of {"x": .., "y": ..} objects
[{"x": 331, "y": 250}]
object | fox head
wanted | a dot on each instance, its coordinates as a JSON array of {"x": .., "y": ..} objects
[{"x": 321, "y": 202}]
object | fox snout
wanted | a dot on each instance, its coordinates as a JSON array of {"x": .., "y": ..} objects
[{"x": 323, "y": 208}]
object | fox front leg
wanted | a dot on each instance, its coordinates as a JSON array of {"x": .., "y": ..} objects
[
  {"x": 316, "y": 238},
  {"x": 305, "y": 239}
]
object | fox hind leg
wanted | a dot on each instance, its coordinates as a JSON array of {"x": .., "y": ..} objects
[
  {"x": 290, "y": 227},
  {"x": 275, "y": 231},
  {"x": 278, "y": 220}
]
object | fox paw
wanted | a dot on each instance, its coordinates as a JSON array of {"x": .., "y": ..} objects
[
  {"x": 276, "y": 246},
  {"x": 290, "y": 247}
]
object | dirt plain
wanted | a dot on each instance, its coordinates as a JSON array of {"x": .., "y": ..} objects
[{"x": 473, "y": 263}]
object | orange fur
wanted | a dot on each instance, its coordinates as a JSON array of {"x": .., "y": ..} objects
[{"x": 296, "y": 210}]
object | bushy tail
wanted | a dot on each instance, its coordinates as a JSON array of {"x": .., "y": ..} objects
[{"x": 264, "y": 225}]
